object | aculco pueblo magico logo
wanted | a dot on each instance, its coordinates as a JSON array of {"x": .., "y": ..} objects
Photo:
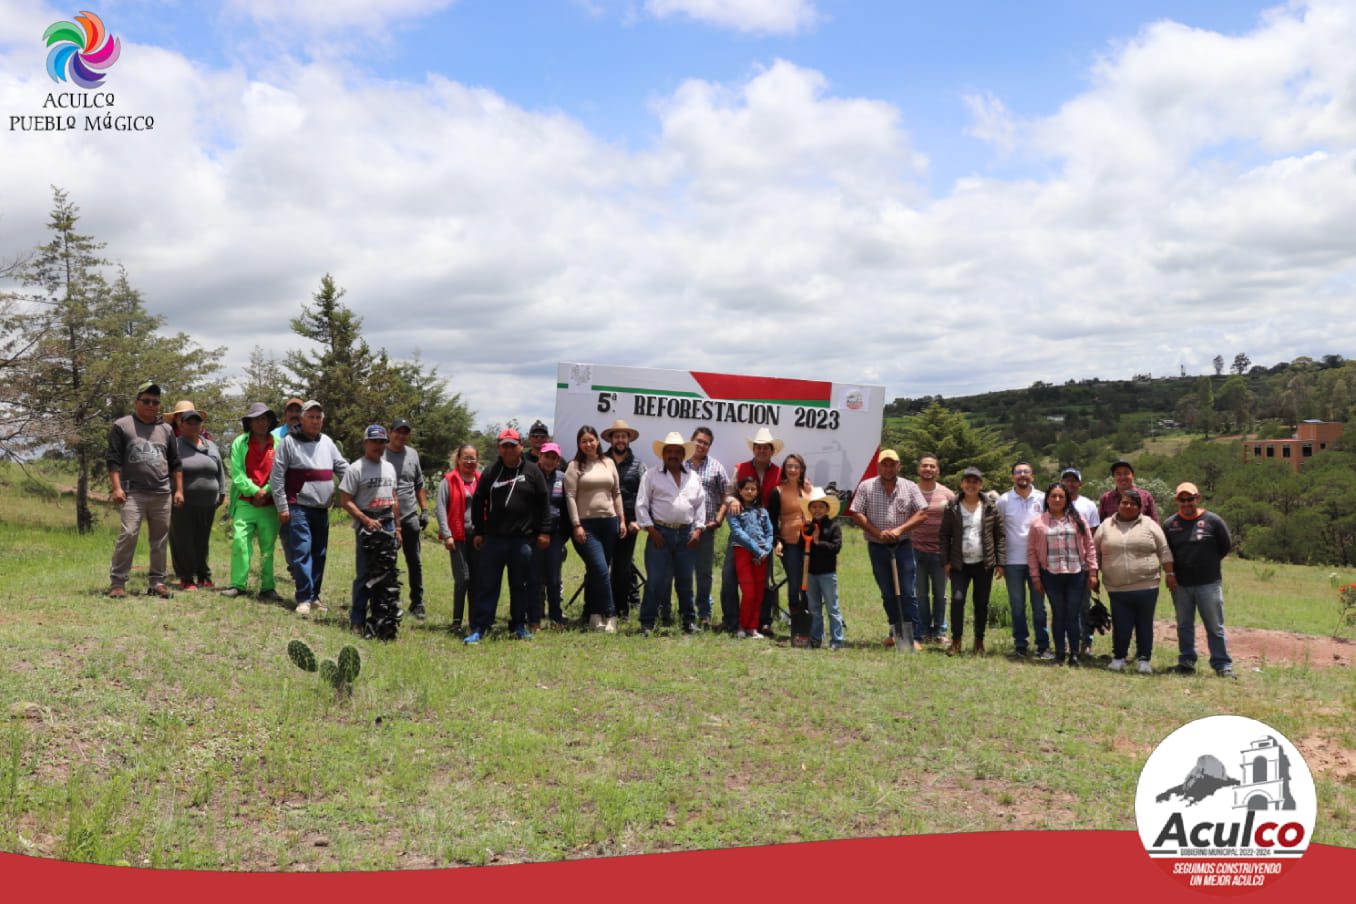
[{"x": 80, "y": 51}]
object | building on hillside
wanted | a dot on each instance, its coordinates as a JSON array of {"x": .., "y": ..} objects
[{"x": 1312, "y": 437}]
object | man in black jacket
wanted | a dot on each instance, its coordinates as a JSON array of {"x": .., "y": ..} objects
[
  {"x": 511, "y": 505},
  {"x": 1198, "y": 540},
  {"x": 619, "y": 438}
]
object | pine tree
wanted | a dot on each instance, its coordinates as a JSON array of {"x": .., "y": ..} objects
[{"x": 958, "y": 444}]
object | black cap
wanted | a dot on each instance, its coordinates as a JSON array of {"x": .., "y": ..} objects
[
  {"x": 401, "y": 424},
  {"x": 1121, "y": 463},
  {"x": 972, "y": 471},
  {"x": 538, "y": 429}
]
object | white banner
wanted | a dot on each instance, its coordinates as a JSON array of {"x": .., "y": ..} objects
[{"x": 835, "y": 427}]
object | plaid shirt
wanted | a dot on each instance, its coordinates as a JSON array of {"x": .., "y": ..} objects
[
  {"x": 715, "y": 482},
  {"x": 887, "y": 510},
  {"x": 1062, "y": 554}
]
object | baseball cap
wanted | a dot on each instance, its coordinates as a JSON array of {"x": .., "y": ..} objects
[
  {"x": 887, "y": 455},
  {"x": 293, "y": 401},
  {"x": 1121, "y": 463},
  {"x": 509, "y": 435},
  {"x": 972, "y": 471},
  {"x": 376, "y": 431},
  {"x": 1186, "y": 488},
  {"x": 551, "y": 447},
  {"x": 149, "y": 386},
  {"x": 309, "y": 404},
  {"x": 1074, "y": 471},
  {"x": 538, "y": 429}
]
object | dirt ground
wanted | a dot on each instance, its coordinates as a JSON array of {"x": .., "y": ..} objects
[{"x": 1255, "y": 647}]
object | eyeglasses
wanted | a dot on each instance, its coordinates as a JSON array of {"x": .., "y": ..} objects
[
  {"x": 1185, "y": 498},
  {"x": 154, "y": 403}
]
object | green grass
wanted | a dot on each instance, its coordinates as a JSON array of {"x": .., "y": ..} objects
[{"x": 178, "y": 734}]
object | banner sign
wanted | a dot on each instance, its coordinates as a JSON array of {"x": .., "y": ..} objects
[{"x": 835, "y": 427}]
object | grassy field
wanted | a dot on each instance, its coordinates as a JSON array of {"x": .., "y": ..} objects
[{"x": 177, "y": 734}]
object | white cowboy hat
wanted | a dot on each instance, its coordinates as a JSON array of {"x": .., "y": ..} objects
[
  {"x": 674, "y": 439},
  {"x": 764, "y": 435},
  {"x": 621, "y": 426},
  {"x": 818, "y": 495}
]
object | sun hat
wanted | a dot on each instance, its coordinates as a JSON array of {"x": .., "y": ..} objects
[
  {"x": 620, "y": 426},
  {"x": 818, "y": 495},
  {"x": 674, "y": 439},
  {"x": 181, "y": 407},
  {"x": 763, "y": 437},
  {"x": 256, "y": 410}
]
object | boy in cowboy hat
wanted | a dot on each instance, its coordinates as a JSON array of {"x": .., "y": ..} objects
[
  {"x": 821, "y": 586},
  {"x": 671, "y": 508}
]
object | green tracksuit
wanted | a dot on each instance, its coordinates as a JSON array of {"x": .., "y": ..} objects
[{"x": 249, "y": 520}]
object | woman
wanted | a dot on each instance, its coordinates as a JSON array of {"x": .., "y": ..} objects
[
  {"x": 454, "y": 525},
  {"x": 788, "y": 522},
  {"x": 1063, "y": 564},
  {"x": 1132, "y": 549},
  {"x": 973, "y": 545},
  {"x": 593, "y": 502},
  {"x": 205, "y": 489}
]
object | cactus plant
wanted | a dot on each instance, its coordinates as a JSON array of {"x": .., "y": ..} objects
[
  {"x": 301, "y": 654},
  {"x": 349, "y": 664},
  {"x": 329, "y": 673}
]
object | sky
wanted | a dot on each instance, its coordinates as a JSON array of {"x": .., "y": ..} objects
[{"x": 939, "y": 200}]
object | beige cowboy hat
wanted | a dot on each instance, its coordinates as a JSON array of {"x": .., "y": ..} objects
[
  {"x": 764, "y": 435},
  {"x": 184, "y": 406},
  {"x": 818, "y": 495},
  {"x": 673, "y": 439},
  {"x": 620, "y": 426}
]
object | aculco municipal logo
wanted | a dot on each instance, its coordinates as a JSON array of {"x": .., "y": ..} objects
[
  {"x": 1226, "y": 804},
  {"x": 81, "y": 50}
]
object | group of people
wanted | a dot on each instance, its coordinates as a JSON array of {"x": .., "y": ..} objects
[{"x": 517, "y": 517}]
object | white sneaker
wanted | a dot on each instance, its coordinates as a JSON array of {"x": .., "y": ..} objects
[
  {"x": 755, "y": 635},
  {"x": 742, "y": 633},
  {"x": 1116, "y": 665},
  {"x": 1145, "y": 668},
  {"x": 303, "y": 608},
  {"x": 1046, "y": 656},
  {"x": 610, "y": 626}
]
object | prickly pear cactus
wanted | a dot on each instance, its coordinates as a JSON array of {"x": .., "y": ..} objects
[
  {"x": 329, "y": 673},
  {"x": 349, "y": 664},
  {"x": 301, "y": 654}
]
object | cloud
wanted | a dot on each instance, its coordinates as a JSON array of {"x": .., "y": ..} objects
[
  {"x": 773, "y": 225},
  {"x": 321, "y": 16},
  {"x": 755, "y": 16}
]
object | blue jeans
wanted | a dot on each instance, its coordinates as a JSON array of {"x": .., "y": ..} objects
[
  {"x": 496, "y": 554},
  {"x": 1209, "y": 599},
  {"x": 904, "y": 606},
  {"x": 546, "y": 581},
  {"x": 308, "y": 540},
  {"x": 822, "y": 592},
  {"x": 600, "y": 541},
  {"x": 793, "y": 561},
  {"x": 1133, "y": 610},
  {"x": 674, "y": 563},
  {"x": 931, "y": 606},
  {"x": 706, "y": 561},
  {"x": 729, "y": 589},
  {"x": 1018, "y": 580},
  {"x": 1066, "y": 608},
  {"x": 357, "y": 613}
]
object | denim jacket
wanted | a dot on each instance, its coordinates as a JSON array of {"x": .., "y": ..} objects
[{"x": 752, "y": 529}]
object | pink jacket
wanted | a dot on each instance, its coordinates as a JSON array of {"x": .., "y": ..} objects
[{"x": 1035, "y": 545}]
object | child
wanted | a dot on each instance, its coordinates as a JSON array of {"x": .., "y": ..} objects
[
  {"x": 821, "y": 589},
  {"x": 751, "y": 532}
]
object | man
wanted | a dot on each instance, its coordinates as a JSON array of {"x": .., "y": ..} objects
[
  {"x": 1072, "y": 480},
  {"x": 1199, "y": 540},
  {"x": 413, "y": 508},
  {"x": 1016, "y": 508},
  {"x": 254, "y": 518},
  {"x": 291, "y": 423},
  {"x": 927, "y": 553},
  {"x": 1124, "y": 474},
  {"x": 147, "y": 477},
  {"x": 671, "y": 509},
  {"x": 510, "y": 506},
  {"x": 537, "y": 435},
  {"x": 619, "y": 438},
  {"x": 305, "y": 465},
  {"x": 888, "y": 508},
  {"x": 716, "y": 485},
  {"x": 369, "y": 492},
  {"x": 764, "y": 447}
]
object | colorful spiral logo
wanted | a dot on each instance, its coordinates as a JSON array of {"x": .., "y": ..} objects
[{"x": 80, "y": 52}]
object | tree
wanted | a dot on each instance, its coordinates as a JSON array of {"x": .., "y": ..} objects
[
  {"x": 92, "y": 344},
  {"x": 958, "y": 444},
  {"x": 1236, "y": 401},
  {"x": 359, "y": 387},
  {"x": 1205, "y": 402},
  {"x": 1241, "y": 363},
  {"x": 1219, "y": 365}
]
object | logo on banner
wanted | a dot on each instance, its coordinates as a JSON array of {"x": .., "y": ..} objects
[
  {"x": 1226, "y": 804},
  {"x": 80, "y": 51}
]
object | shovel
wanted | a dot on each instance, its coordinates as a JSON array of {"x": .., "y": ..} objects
[{"x": 903, "y": 630}]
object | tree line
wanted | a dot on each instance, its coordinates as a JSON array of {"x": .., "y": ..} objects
[{"x": 76, "y": 339}]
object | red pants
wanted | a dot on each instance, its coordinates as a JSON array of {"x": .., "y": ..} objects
[{"x": 752, "y": 578}]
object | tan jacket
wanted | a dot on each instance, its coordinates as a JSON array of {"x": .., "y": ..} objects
[{"x": 1131, "y": 553}]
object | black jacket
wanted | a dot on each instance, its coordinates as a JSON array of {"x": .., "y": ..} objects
[
  {"x": 1197, "y": 547},
  {"x": 629, "y": 470},
  {"x": 511, "y": 502},
  {"x": 824, "y": 551}
]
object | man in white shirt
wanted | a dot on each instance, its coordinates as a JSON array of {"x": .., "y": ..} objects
[
  {"x": 1017, "y": 508},
  {"x": 671, "y": 509}
]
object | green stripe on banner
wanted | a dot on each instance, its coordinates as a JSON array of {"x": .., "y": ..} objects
[{"x": 681, "y": 394}]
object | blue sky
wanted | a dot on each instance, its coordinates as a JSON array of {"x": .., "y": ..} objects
[{"x": 951, "y": 199}]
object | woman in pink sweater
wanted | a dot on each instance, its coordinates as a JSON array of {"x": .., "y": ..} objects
[{"x": 1063, "y": 563}]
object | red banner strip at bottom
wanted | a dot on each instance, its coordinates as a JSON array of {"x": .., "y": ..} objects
[{"x": 1094, "y": 866}]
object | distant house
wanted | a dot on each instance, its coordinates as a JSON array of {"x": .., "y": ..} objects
[{"x": 1312, "y": 436}]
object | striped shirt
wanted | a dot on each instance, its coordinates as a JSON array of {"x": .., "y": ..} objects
[
  {"x": 1062, "y": 554},
  {"x": 715, "y": 483}
]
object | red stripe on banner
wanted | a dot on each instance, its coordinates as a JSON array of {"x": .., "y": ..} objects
[
  {"x": 766, "y": 389},
  {"x": 1097, "y": 866}
]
